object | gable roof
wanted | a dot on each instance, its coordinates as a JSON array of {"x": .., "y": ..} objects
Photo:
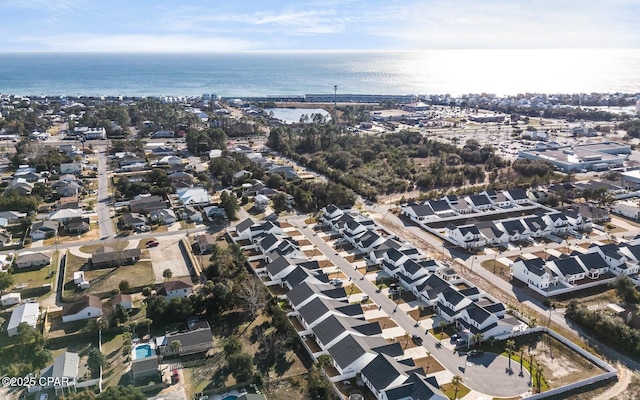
[
  {"x": 165, "y": 287},
  {"x": 244, "y": 225},
  {"x": 569, "y": 266},
  {"x": 84, "y": 302}
]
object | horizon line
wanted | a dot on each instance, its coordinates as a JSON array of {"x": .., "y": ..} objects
[{"x": 318, "y": 51}]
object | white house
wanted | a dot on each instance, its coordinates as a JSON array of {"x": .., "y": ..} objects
[
  {"x": 10, "y": 299},
  {"x": 194, "y": 195},
  {"x": 466, "y": 236},
  {"x": 534, "y": 273},
  {"x": 25, "y": 312},
  {"x": 568, "y": 269},
  {"x": 419, "y": 213},
  {"x": 173, "y": 289},
  {"x": 32, "y": 260},
  {"x": 87, "y": 307}
]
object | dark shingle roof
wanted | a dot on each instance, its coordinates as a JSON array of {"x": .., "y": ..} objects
[{"x": 569, "y": 266}]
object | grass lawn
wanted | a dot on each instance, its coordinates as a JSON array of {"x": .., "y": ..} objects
[
  {"x": 353, "y": 289},
  {"x": 105, "y": 279},
  {"x": 118, "y": 245},
  {"x": 162, "y": 228},
  {"x": 36, "y": 278},
  {"x": 449, "y": 390}
]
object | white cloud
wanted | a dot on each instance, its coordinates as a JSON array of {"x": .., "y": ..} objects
[{"x": 141, "y": 43}]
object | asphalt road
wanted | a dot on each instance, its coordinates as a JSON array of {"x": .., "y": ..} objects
[
  {"x": 102, "y": 205},
  {"x": 475, "y": 378}
]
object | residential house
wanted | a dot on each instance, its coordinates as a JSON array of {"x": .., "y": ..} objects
[
  {"x": 204, "y": 243},
  {"x": 106, "y": 257},
  {"x": 163, "y": 151},
  {"x": 192, "y": 214},
  {"x": 558, "y": 221},
  {"x": 70, "y": 202},
  {"x": 213, "y": 212},
  {"x": 243, "y": 229},
  {"x": 65, "y": 214},
  {"x": 22, "y": 188},
  {"x": 353, "y": 353},
  {"x": 182, "y": 177},
  {"x": 198, "y": 341},
  {"x": 335, "y": 328},
  {"x": 595, "y": 264},
  {"x": 124, "y": 300},
  {"x": 261, "y": 202},
  {"x": 287, "y": 171},
  {"x": 32, "y": 260},
  {"x": 67, "y": 188},
  {"x": 71, "y": 168},
  {"x": 146, "y": 204},
  {"x": 77, "y": 225},
  {"x": 415, "y": 387},
  {"x": 10, "y": 299},
  {"x": 133, "y": 220},
  {"x": 493, "y": 235},
  {"x": 384, "y": 373},
  {"x": 62, "y": 375},
  {"x": 305, "y": 292},
  {"x": 534, "y": 272},
  {"x": 430, "y": 288},
  {"x": 24, "y": 313},
  {"x": 280, "y": 267},
  {"x": 89, "y": 306},
  {"x": 146, "y": 367},
  {"x": 517, "y": 196},
  {"x": 318, "y": 309},
  {"x": 165, "y": 216},
  {"x": 174, "y": 289},
  {"x": 466, "y": 236},
  {"x": 194, "y": 195},
  {"x": 479, "y": 202},
  {"x": 450, "y": 302},
  {"x": 623, "y": 260},
  {"x": 13, "y": 216},
  {"x": 627, "y": 210},
  {"x": 568, "y": 269},
  {"x": 169, "y": 160},
  {"x": 419, "y": 213},
  {"x": 515, "y": 229}
]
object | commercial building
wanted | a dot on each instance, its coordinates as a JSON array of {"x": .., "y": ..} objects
[{"x": 580, "y": 158}]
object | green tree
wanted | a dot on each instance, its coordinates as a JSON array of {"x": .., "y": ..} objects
[
  {"x": 241, "y": 366},
  {"x": 456, "y": 381},
  {"x": 124, "y": 286},
  {"x": 167, "y": 273},
  {"x": 176, "y": 347},
  {"x": 96, "y": 360},
  {"x": 85, "y": 394},
  {"x": 625, "y": 289},
  {"x": 279, "y": 202},
  {"x": 510, "y": 347},
  {"x": 232, "y": 346},
  {"x": 6, "y": 280},
  {"x": 230, "y": 205}
]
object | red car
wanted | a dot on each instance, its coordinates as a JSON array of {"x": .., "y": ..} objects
[
  {"x": 175, "y": 376},
  {"x": 152, "y": 243}
]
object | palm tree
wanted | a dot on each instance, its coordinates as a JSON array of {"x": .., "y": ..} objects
[
  {"x": 428, "y": 354},
  {"x": 539, "y": 372},
  {"x": 176, "y": 346},
  {"x": 406, "y": 339},
  {"x": 510, "y": 346},
  {"x": 477, "y": 339},
  {"x": 455, "y": 381},
  {"x": 442, "y": 325}
]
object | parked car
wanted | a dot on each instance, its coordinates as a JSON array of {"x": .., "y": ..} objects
[
  {"x": 475, "y": 353},
  {"x": 152, "y": 243},
  {"x": 417, "y": 339},
  {"x": 336, "y": 282}
]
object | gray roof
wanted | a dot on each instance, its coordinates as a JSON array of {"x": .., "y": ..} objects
[
  {"x": 244, "y": 225},
  {"x": 383, "y": 370},
  {"x": 569, "y": 266},
  {"x": 65, "y": 365},
  {"x": 305, "y": 290},
  {"x": 351, "y": 348},
  {"x": 144, "y": 364}
]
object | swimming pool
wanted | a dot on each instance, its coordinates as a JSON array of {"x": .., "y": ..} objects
[
  {"x": 232, "y": 397},
  {"x": 142, "y": 351}
]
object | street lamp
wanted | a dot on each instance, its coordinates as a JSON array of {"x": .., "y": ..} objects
[{"x": 335, "y": 95}]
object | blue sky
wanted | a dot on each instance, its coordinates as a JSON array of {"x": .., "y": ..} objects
[{"x": 301, "y": 25}]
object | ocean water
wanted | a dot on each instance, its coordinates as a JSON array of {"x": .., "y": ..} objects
[{"x": 502, "y": 72}]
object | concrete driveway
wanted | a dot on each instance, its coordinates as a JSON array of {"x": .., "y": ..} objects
[{"x": 168, "y": 255}]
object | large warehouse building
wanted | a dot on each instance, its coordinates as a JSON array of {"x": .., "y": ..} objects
[{"x": 584, "y": 157}]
